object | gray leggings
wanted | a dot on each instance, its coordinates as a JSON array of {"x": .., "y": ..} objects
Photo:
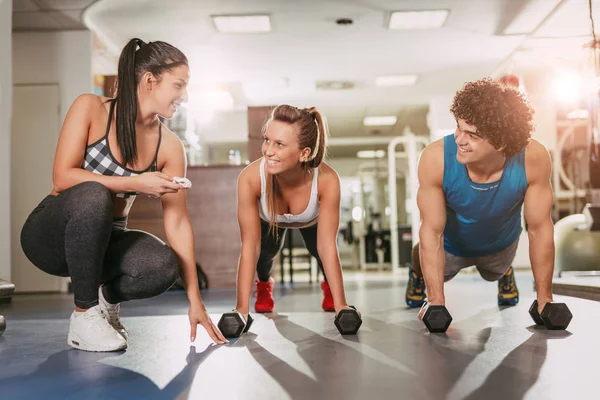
[{"x": 74, "y": 234}]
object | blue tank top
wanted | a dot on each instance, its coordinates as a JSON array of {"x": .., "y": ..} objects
[{"x": 481, "y": 218}]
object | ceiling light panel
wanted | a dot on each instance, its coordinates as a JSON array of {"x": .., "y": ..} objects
[
  {"x": 242, "y": 23},
  {"x": 410, "y": 20}
]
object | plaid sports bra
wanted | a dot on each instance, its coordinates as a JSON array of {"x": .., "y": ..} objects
[{"x": 99, "y": 159}]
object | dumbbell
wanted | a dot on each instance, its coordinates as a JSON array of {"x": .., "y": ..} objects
[
  {"x": 6, "y": 291},
  {"x": 437, "y": 319},
  {"x": 555, "y": 316},
  {"x": 232, "y": 324},
  {"x": 348, "y": 321}
]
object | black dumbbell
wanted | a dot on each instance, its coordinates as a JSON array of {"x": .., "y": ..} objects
[
  {"x": 348, "y": 321},
  {"x": 555, "y": 316},
  {"x": 437, "y": 319},
  {"x": 232, "y": 324}
]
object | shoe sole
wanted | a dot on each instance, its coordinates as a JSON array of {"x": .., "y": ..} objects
[
  {"x": 508, "y": 302},
  {"x": 79, "y": 344},
  {"x": 262, "y": 311},
  {"x": 414, "y": 303}
]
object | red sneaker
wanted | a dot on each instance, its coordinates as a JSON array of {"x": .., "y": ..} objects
[
  {"x": 264, "y": 296},
  {"x": 327, "y": 297}
]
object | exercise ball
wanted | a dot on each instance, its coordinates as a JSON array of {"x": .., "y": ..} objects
[{"x": 576, "y": 248}]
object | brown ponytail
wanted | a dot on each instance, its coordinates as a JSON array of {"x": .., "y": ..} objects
[{"x": 320, "y": 146}]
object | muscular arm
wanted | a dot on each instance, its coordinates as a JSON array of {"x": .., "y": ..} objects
[
  {"x": 538, "y": 211},
  {"x": 249, "y": 222},
  {"x": 327, "y": 230},
  {"x": 70, "y": 151},
  {"x": 431, "y": 203}
]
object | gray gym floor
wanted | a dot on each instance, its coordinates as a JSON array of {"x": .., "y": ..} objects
[{"x": 488, "y": 352}]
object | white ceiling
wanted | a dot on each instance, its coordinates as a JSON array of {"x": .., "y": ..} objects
[
  {"x": 307, "y": 46},
  {"x": 49, "y": 15}
]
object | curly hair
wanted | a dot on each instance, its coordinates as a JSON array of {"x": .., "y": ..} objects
[{"x": 502, "y": 114}]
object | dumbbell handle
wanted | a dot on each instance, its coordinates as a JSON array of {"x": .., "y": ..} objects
[
  {"x": 535, "y": 314},
  {"x": 424, "y": 308},
  {"x": 244, "y": 317}
]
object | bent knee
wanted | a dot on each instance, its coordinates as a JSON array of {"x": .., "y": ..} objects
[
  {"x": 490, "y": 276},
  {"x": 166, "y": 266},
  {"x": 92, "y": 191},
  {"x": 92, "y": 196}
]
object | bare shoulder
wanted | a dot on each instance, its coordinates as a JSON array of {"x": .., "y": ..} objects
[
  {"x": 88, "y": 111},
  {"x": 171, "y": 149},
  {"x": 328, "y": 175},
  {"x": 251, "y": 176},
  {"x": 431, "y": 163},
  {"x": 328, "y": 183},
  {"x": 434, "y": 151},
  {"x": 170, "y": 140},
  {"x": 538, "y": 164},
  {"x": 536, "y": 152},
  {"x": 91, "y": 103}
]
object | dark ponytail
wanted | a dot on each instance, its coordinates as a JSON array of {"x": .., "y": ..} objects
[
  {"x": 127, "y": 102},
  {"x": 135, "y": 60}
]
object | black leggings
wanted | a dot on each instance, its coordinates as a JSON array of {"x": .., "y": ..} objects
[
  {"x": 270, "y": 247},
  {"x": 74, "y": 234}
]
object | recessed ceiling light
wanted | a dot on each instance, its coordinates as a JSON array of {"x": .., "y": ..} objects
[
  {"x": 380, "y": 121},
  {"x": 344, "y": 21},
  {"x": 335, "y": 85},
  {"x": 242, "y": 23},
  {"x": 418, "y": 19},
  {"x": 396, "y": 80}
]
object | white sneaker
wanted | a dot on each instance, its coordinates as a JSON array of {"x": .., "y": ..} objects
[
  {"x": 90, "y": 331},
  {"x": 111, "y": 313}
]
